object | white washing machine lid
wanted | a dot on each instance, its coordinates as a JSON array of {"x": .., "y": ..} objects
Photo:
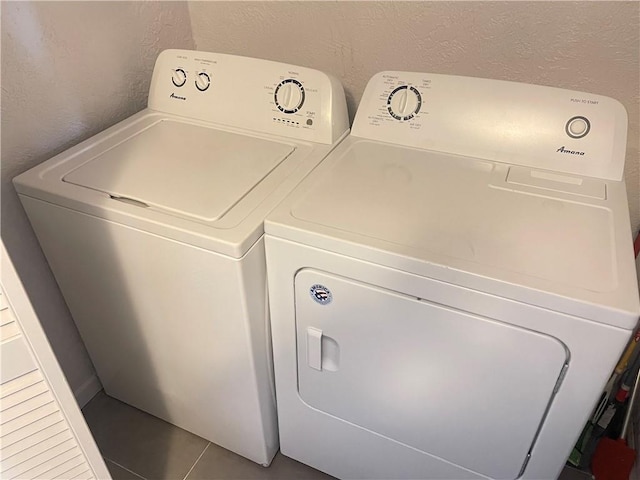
[
  {"x": 188, "y": 170},
  {"x": 512, "y": 231},
  {"x": 211, "y": 189}
]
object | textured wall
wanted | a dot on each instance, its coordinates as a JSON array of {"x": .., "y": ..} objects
[
  {"x": 589, "y": 46},
  {"x": 69, "y": 70}
]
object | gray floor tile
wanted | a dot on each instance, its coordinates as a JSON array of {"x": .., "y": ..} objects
[
  {"x": 155, "y": 450},
  {"x": 119, "y": 473},
  {"x": 220, "y": 464},
  {"x": 286, "y": 468},
  {"x": 140, "y": 442}
]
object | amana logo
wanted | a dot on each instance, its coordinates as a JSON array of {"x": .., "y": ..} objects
[
  {"x": 572, "y": 152},
  {"x": 321, "y": 294},
  {"x": 173, "y": 95}
]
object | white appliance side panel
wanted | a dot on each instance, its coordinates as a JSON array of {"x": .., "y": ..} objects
[
  {"x": 406, "y": 368},
  {"x": 165, "y": 324},
  {"x": 42, "y": 434},
  {"x": 255, "y": 307}
]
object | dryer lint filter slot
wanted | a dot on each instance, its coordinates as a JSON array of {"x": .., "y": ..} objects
[{"x": 582, "y": 186}]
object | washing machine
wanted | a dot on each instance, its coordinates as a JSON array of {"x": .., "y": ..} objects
[
  {"x": 154, "y": 232},
  {"x": 451, "y": 288}
]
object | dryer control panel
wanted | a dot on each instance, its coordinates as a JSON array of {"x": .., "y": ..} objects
[
  {"x": 516, "y": 123},
  {"x": 249, "y": 93}
]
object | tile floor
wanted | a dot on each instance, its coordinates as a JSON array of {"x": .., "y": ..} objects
[{"x": 137, "y": 446}]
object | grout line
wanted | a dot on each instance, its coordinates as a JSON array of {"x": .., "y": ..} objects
[
  {"x": 197, "y": 460},
  {"x": 125, "y": 468}
]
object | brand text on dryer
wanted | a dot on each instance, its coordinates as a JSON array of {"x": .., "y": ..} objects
[
  {"x": 572, "y": 152},
  {"x": 173, "y": 95}
]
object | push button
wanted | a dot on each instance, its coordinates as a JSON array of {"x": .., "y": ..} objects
[{"x": 578, "y": 127}]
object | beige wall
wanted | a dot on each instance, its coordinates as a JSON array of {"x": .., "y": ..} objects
[
  {"x": 69, "y": 70},
  {"x": 589, "y": 46}
]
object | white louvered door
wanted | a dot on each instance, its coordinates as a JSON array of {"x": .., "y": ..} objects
[{"x": 42, "y": 432}]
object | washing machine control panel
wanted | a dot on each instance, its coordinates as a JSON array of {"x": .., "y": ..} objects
[
  {"x": 294, "y": 101},
  {"x": 248, "y": 93},
  {"x": 516, "y": 123}
]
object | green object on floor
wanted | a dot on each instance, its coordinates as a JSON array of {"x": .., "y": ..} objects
[{"x": 576, "y": 454}]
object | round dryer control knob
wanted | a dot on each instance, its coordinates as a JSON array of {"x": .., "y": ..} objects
[
  {"x": 289, "y": 96},
  {"x": 179, "y": 77},
  {"x": 404, "y": 102},
  {"x": 203, "y": 81}
]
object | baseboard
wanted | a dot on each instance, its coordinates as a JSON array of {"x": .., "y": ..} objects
[{"x": 87, "y": 390}]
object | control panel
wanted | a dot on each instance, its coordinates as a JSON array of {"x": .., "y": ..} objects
[
  {"x": 249, "y": 93},
  {"x": 515, "y": 123}
]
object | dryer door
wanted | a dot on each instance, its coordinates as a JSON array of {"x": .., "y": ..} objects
[{"x": 467, "y": 389}]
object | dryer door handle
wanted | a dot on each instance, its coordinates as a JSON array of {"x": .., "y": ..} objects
[
  {"x": 314, "y": 348},
  {"x": 323, "y": 352}
]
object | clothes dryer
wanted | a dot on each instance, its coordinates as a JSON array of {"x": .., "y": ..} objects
[
  {"x": 154, "y": 232},
  {"x": 451, "y": 288}
]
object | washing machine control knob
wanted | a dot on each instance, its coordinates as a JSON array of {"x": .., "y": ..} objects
[
  {"x": 203, "y": 80},
  {"x": 404, "y": 102},
  {"x": 289, "y": 95},
  {"x": 179, "y": 77}
]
